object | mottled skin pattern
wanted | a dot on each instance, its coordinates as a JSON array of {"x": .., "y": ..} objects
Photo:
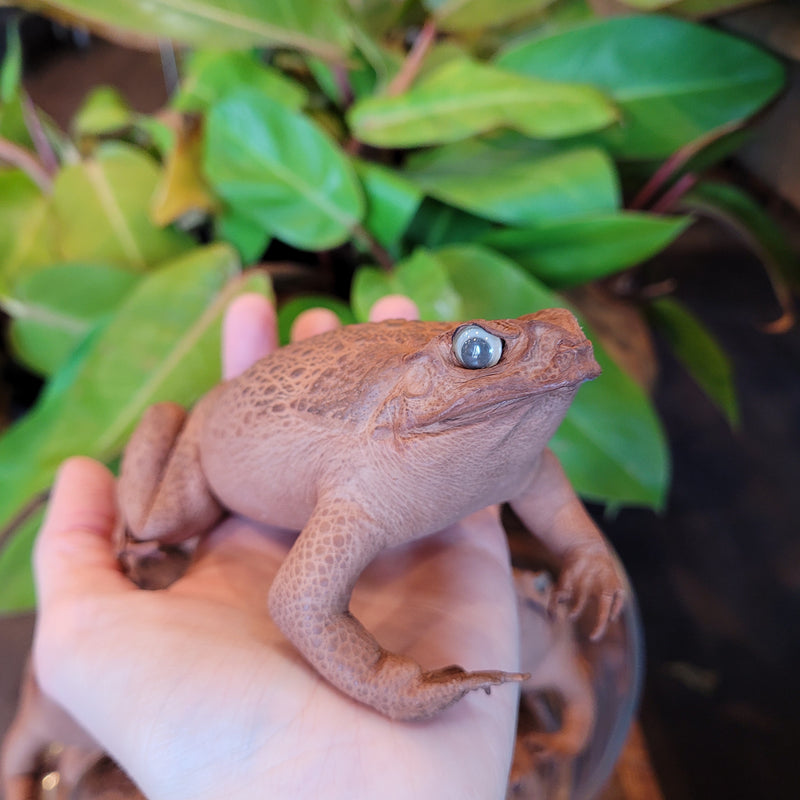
[{"x": 364, "y": 438}]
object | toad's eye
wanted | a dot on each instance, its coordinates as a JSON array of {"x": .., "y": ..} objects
[{"x": 476, "y": 348}]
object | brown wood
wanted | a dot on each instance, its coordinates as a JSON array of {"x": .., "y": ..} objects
[{"x": 634, "y": 777}]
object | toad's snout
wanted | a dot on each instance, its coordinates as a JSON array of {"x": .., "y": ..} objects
[{"x": 575, "y": 359}]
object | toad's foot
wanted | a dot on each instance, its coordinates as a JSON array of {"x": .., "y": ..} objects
[{"x": 428, "y": 693}]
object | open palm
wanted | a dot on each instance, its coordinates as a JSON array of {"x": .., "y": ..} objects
[{"x": 198, "y": 695}]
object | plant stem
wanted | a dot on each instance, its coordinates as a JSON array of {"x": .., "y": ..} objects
[
  {"x": 19, "y": 519},
  {"x": 670, "y": 199},
  {"x": 677, "y": 160},
  {"x": 416, "y": 55},
  {"x": 379, "y": 252},
  {"x": 25, "y": 160},
  {"x": 44, "y": 149}
]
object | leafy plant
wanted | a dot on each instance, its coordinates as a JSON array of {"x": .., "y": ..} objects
[{"x": 464, "y": 153}]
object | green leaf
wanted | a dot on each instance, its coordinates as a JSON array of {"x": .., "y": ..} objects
[
  {"x": 436, "y": 224},
  {"x": 211, "y": 75},
  {"x": 104, "y": 110},
  {"x": 512, "y": 186},
  {"x": 246, "y": 235},
  {"x": 16, "y": 582},
  {"x": 463, "y": 98},
  {"x": 420, "y": 277},
  {"x": 465, "y": 15},
  {"x": 102, "y": 211},
  {"x": 292, "y": 309},
  {"x": 26, "y": 235},
  {"x": 54, "y": 308},
  {"x": 708, "y": 8},
  {"x": 649, "y": 5},
  {"x": 673, "y": 80},
  {"x": 274, "y": 166},
  {"x": 581, "y": 250},
  {"x": 699, "y": 353},
  {"x": 734, "y": 207},
  {"x": 392, "y": 201},
  {"x": 163, "y": 344},
  {"x": 317, "y": 26},
  {"x": 11, "y": 68}
]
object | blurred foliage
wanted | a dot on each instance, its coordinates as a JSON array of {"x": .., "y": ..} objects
[{"x": 468, "y": 154}]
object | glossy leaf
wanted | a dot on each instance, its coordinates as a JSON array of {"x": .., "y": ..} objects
[
  {"x": 292, "y": 309},
  {"x": 391, "y": 201},
  {"x": 163, "y": 343},
  {"x": 104, "y": 110},
  {"x": 699, "y": 353},
  {"x": 12, "y": 119},
  {"x": 420, "y": 277},
  {"x": 16, "y": 582},
  {"x": 210, "y": 75},
  {"x": 611, "y": 443},
  {"x": 317, "y": 26},
  {"x": 520, "y": 189},
  {"x": 11, "y": 67},
  {"x": 703, "y": 8},
  {"x": 436, "y": 225},
  {"x": 377, "y": 16},
  {"x": 102, "y": 211},
  {"x": 55, "y": 307},
  {"x": 648, "y": 5},
  {"x": 182, "y": 189},
  {"x": 673, "y": 80},
  {"x": 734, "y": 207},
  {"x": 276, "y": 167},
  {"x": 26, "y": 235},
  {"x": 567, "y": 253},
  {"x": 463, "y": 98},
  {"x": 464, "y": 15},
  {"x": 246, "y": 235}
]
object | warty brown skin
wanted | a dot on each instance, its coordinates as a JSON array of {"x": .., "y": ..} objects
[{"x": 364, "y": 438}]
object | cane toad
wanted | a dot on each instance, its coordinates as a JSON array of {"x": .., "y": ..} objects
[{"x": 367, "y": 437}]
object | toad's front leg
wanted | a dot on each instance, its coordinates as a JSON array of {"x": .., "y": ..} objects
[
  {"x": 589, "y": 573},
  {"x": 164, "y": 499},
  {"x": 309, "y": 601}
]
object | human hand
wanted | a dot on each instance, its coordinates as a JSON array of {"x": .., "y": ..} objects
[{"x": 195, "y": 692}]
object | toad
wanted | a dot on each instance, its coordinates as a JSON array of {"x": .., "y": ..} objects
[{"x": 367, "y": 437}]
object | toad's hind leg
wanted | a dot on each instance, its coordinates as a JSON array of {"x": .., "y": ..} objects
[
  {"x": 164, "y": 499},
  {"x": 309, "y": 601}
]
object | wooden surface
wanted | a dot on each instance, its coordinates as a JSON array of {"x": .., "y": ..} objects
[{"x": 633, "y": 778}]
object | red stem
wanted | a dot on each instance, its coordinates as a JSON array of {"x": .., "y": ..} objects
[
  {"x": 416, "y": 55},
  {"x": 670, "y": 199}
]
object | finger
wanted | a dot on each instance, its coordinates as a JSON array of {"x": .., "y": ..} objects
[
  {"x": 249, "y": 332},
  {"x": 579, "y": 603},
  {"x": 619, "y": 604},
  {"x": 393, "y": 306},
  {"x": 313, "y": 322},
  {"x": 73, "y": 551},
  {"x": 605, "y": 603}
]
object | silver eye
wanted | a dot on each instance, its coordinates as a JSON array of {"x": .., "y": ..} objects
[{"x": 476, "y": 348}]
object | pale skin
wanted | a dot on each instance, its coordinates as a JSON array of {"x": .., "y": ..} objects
[{"x": 197, "y": 694}]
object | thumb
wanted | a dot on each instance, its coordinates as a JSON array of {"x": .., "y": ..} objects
[{"x": 74, "y": 555}]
